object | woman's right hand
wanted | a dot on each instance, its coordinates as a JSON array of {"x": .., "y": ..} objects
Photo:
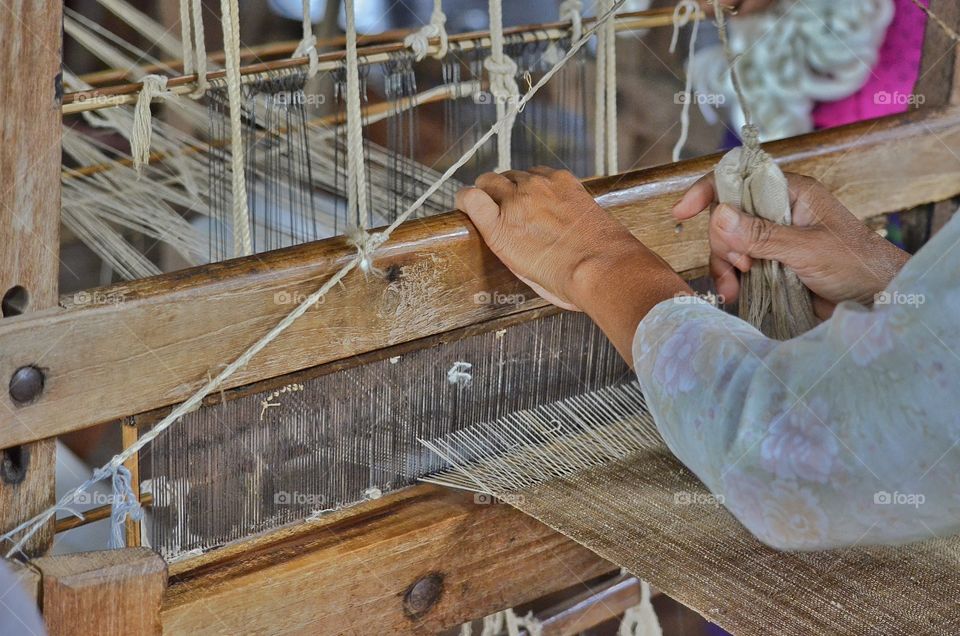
[{"x": 835, "y": 255}]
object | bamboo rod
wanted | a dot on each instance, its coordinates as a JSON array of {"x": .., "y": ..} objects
[
  {"x": 94, "y": 514},
  {"x": 126, "y": 94}
]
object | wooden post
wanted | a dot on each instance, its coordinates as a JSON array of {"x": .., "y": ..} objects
[
  {"x": 938, "y": 83},
  {"x": 30, "y": 94},
  {"x": 128, "y": 434},
  {"x": 106, "y": 592}
]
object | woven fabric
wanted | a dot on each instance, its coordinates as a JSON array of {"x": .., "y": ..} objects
[{"x": 651, "y": 516}]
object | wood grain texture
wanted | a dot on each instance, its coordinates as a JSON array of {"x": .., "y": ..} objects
[
  {"x": 939, "y": 79},
  {"x": 106, "y": 592},
  {"x": 156, "y": 340},
  {"x": 353, "y": 572},
  {"x": 30, "y": 95}
]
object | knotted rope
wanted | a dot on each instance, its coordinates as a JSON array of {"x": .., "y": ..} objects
[
  {"x": 193, "y": 45},
  {"x": 356, "y": 168},
  {"x": 192, "y": 403},
  {"x": 242, "y": 244},
  {"x": 502, "y": 71},
  {"x": 419, "y": 41},
  {"x": 308, "y": 43},
  {"x": 154, "y": 87},
  {"x": 683, "y": 13},
  {"x": 572, "y": 10}
]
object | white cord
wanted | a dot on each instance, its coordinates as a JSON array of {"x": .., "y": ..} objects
[
  {"x": 572, "y": 10},
  {"x": 154, "y": 87},
  {"x": 308, "y": 43},
  {"x": 419, "y": 41},
  {"x": 242, "y": 244},
  {"x": 356, "y": 168},
  {"x": 502, "y": 71},
  {"x": 683, "y": 13}
]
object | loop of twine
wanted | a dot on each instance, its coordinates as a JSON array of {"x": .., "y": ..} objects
[
  {"x": 419, "y": 41},
  {"x": 154, "y": 87},
  {"x": 308, "y": 42},
  {"x": 572, "y": 10}
]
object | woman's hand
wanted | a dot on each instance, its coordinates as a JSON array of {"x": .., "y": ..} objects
[
  {"x": 548, "y": 230},
  {"x": 835, "y": 255}
]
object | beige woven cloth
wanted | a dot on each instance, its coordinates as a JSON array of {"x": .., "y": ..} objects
[{"x": 651, "y": 516}]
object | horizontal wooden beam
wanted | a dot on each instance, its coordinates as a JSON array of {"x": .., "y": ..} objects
[
  {"x": 417, "y": 561},
  {"x": 134, "y": 347}
]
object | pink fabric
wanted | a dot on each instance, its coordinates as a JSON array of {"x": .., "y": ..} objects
[{"x": 891, "y": 82}]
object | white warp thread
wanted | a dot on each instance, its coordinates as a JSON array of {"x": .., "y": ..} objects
[
  {"x": 641, "y": 620},
  {"x": 683, "y": 13},
  {"x": 30, "y": 526},
  {"x": 308, "y": 43},
  {"x": 419, "y": 41},
  {"x": 242, "y": 244},
  {"x": 143, "y": 24},
  {"x": 502, "y": 71},
  {"x": 154, "y": 87}
]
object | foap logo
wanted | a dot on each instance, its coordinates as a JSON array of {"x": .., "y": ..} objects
[
  {"x": 884, "y": 498},
  {"x": 897, "y": 98},
  {"x": 899, "y": 298},
  {"x": 96, "y": 297},
  {"x": 86, "y": 498},
  {"x": 699, "y": 99},
  {"x": 295, "y": 498},
  {"x": 689, "y": 299},
  {"x": 497, "y": 299},
  {"x": 485, "y": 499},
  {"x": 685, "y": 498},
  {"x": 294, "y": 298}
]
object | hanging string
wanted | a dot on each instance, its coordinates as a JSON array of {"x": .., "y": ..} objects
[
  {"x": 419, "y": 41},
  {"x": 749, "y": 133},
  {"x": 356, "y": 167},
  {"x": 683, "y": 13},
  {"x": 154, "y": 87},
  {"x": 193, "y": 45},
  {"x": 308, "y": 43},
  {"x": 242, "y": 244},
  {"x": 30, "y": 526},
  {"x": 572, "y": 10},
  {"x": 605, "y": 97},
  {"x": 502, "y": 71}
]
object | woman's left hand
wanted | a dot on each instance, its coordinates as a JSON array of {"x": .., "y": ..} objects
[{"x": 547, "y": 229}]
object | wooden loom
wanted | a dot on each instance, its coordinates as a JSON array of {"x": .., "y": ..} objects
[{"x": 417, "y": 560}]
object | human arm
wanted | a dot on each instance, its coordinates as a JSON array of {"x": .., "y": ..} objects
[{"x": 550, "y": 232}]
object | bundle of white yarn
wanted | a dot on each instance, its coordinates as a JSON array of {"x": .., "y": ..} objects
[{"x": 794, "y": 54}]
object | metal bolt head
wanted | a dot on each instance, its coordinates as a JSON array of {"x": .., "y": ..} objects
[
  {"x": 423, "y": 595},
  {"x": 26, "y": 384}
]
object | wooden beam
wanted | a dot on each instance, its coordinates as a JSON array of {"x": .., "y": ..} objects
[
  {"x": 938, "y": 82},
  {"x": 106, "y": 592},
  {"x": 30, "y": 96},
  {"x": 139, "y": 346},
  {"x": 417, "y": 561}
]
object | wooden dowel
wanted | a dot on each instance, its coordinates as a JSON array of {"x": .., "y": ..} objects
[
  {"x": 94, "y": 514},
  {"x": 125, "y": 94}
]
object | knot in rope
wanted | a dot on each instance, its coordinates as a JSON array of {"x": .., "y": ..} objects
[
  {"x": 366, "y": 244},
  {"x": 683, "y": 13},
  {"x": 503, "y": 78},
  {"x": 308, "y": 48},
  {"x": 124, "y": 502},
  {"x": 154, "y": 87},
  {"x": 572, "y": 10},
  {"x": 750, "y": 135},
  {"x": 419, "y": 41}
]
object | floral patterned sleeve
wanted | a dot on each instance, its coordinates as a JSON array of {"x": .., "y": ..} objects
[{"x": 849, "y": 434}]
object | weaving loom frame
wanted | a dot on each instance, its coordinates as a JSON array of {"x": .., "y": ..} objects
[{"x": 391, "y": 535}]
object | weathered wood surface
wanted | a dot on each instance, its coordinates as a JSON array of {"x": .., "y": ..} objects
[
  {"x": 414, "y": 562},
  {"x": 106, "y": 592},
  {"x": 30, "y": 95},
  {"x": 135, "y": 347},
  {"x": 938, "y": 82}
]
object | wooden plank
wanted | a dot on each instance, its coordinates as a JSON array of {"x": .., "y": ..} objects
[
  {"x": 106, "y": 592},
  {"x": 30, "y": 96},
  {"x": 938, "y": 82},
  {"x": 139, "y": 346},
  {"x": 592, "y": 607},
  {"x": 418, "y": 560}
]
